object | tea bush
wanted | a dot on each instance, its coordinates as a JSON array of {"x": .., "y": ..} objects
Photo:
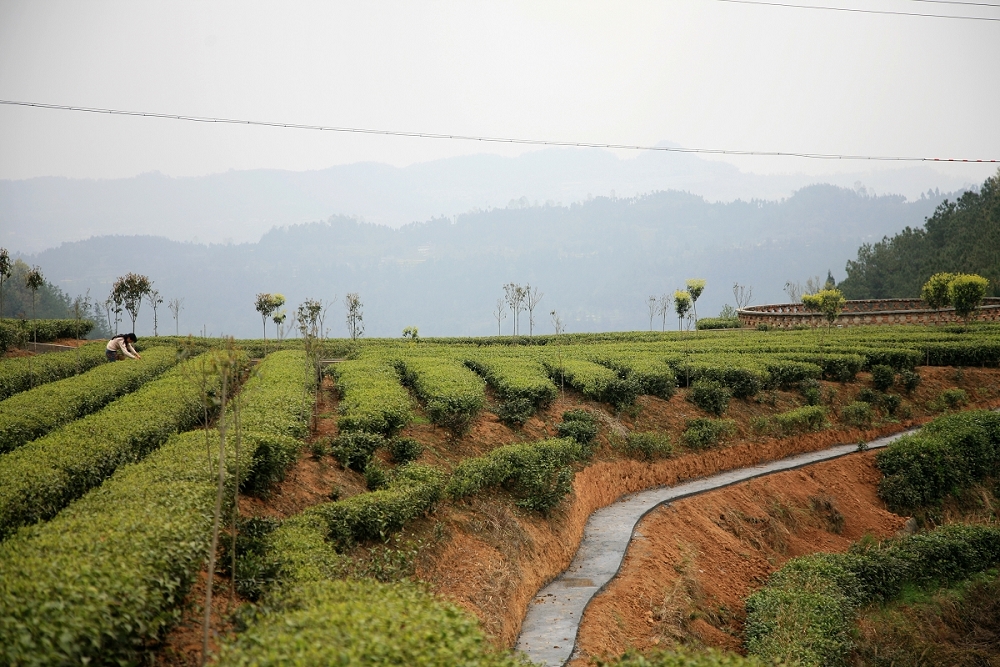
[
  {"x": 858, "y": 413},
  {"x": 453, "y": 394},
  {"x": 910, "y": 380},
  {"x": 800, "y": 420},
  {"x": 805, "y": 613},
  {"x": 596, "y": 382},
  {"x": 516, "y": 380},
  {"x": 41, "y": 477},
  {"x": 710, "y": 396},
  {"x": 404, "y": 450},
  {"x": 704, "y": 433},
  {"x": 354, "y": 449},
  {"x": 648, "y": 445},
  {"x": 883, "y": 377},
  {"x": 372, "y": 398},
  {"x": 706, "y": 323},
  {"x": 581, "y": 426},
  {"x": 32, "y": 414},
  {"x": 22, "y": 373}
]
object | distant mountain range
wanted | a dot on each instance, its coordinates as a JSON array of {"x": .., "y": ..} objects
[
  {"x": 241, "y": 206},
  {"x": 596, "y": 261}
]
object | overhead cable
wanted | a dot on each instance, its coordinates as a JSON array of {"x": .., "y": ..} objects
[
  {"x": 486, "y": 139},
  {"x": 860, "y": 11}
]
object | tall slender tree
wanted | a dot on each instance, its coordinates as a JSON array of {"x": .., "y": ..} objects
[
  {"x": 131, "y": 289},
  {"x": 532, "y": 297},
  {"x": 176, "y": 305},
  {"x": 682, "y": 304},
  {"x": 651, "y": 305},
  {"x": 6, "y": 267},
  {"x": 695, "y": 286},
  {"x": 34, "y": 281},
  {"x": 154, "y": 298},
  {"x": 355, "y": 315},
  {"x": 500, "y": 314}
]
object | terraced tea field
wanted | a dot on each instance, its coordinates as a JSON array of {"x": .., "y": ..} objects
[{"x": 469, "y": 465}]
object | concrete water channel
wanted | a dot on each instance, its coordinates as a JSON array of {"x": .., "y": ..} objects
[{"x": 548, "y": 634}]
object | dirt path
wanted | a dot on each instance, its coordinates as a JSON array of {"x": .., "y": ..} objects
[{"x": 549, "y": 632}]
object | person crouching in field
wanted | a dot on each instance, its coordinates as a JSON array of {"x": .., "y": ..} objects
[{"x": 122, "y": 343}]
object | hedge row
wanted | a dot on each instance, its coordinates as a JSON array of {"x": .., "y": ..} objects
[
  {"x": 515, "y": 378},
  {"x": 805, "y": 613},
  {"x": 17, "y": 332},
  {"x": 310, "y": 618},
  {"x": 945, "y": 457},
  {"x": 800, "y": 420},
  {"x": 596, "y": 382},
  {"x": 539, "y": 473},
  {"x": 32, "y": 414},
  {"x": 371, "y": 397},
  {"x": 718, "y": 323},
  {"x": 453, "y": 394},
  {"x": 120, "y": 560},
  {"x": 23, "y": 373},
  {"x": 654, "y": 376},
  {"x": 40, "y": 478},
  {"x": 412, "y": 490}
]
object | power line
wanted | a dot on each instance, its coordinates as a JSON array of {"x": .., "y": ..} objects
[
  {"x": 860, "y": 11},
  {"x": 958, "y": 2},
  {"x": 485, "y": 139}
]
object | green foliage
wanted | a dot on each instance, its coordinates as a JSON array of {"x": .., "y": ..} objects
[
  {"x": 453, "y": 394},
  {"x": 17, "y": 375},
  {"x": 935, "y": 292},
  {"x": 376, "y": 475},
  {"x": 410, "y": 491},
  {"x": 883, "y": 377},
  {"x": 682, "y": 657},
  {"x": 706, "y": 323},
  {"x": 800, "y": 420},
  {"x": 372, "y": 398},
  {"x": 909, "y": 379},
  {"x": 710, "y": 396},
  {"x": 966, "y": 293},
  {"x": 654, "y": 376},
  {"x": 805, "y": 613},
  {"x": 858, "y": 413},
  {"x": 354, "y": 450},
  {"x": 254, "y": 570},
  {"x": 580, "y": 425},
  {"x": 951, "y": 399},
  {"x": 961, "y": 235},
  {"x": 538, "y": 473},
  {"x": 947, "y": 456},
  {"x": 41, "y": 477},
  {"x": 515, "y": 412},
  {"x": 704, "y": 433},
  {"x": 32, "y": 414},
  {"x": 826, "y": 302},
  {"x": 523, "y": 383},
  {"x": 648, "y": 445},
  {"x": 404, "y": 450},
  {"x": 47, "y": 330},
  {"x": 121, "y": 559},
  {"x": 595, "y": 381}
]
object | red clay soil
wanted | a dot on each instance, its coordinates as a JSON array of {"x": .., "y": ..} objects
[
  {"x": 491, "y": 557},
  {"x": 692, "y": 564},
  {"x": 182, "y": 646}
]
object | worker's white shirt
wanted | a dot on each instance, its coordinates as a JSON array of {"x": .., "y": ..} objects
[{"x": 120, "y": 345}]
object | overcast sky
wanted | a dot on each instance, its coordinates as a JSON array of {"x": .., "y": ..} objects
[{"x": 699, "y": 73}]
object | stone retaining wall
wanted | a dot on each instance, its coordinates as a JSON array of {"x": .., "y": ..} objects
[{"x": 864, "y": 312}]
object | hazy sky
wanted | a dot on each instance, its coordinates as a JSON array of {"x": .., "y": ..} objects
[{"x": 694, "y": 72}]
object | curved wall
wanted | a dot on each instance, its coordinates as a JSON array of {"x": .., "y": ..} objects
[{"x": 864, "y": 312}]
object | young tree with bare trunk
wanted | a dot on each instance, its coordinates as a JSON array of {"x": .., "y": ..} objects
[
  {"x": 532, "y": 297},
  {"x": 695, "y": 286},
  {"x": 154, "y": 298},
  {"x": 130, "y": 290},
  {"x": 651, "y": 305},
  {"x": 743, "y": 294},
  {"x": 176, "y": 305},
  {"x": 663, "y": 309},
  {"x": 355, "y": 315},
  {"x": 500, "y": 314},
  {"x": 6, "y": 268}
]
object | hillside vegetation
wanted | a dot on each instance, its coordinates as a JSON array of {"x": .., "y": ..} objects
[{"x": 961, "y": 236}]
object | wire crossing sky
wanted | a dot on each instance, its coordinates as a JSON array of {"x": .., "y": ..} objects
[
  {"x": 501, "y": 140},
  {"x": 748, "y": 82}
]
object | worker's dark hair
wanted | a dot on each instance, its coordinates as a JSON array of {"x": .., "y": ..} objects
[{"x": 127, "y": 337}]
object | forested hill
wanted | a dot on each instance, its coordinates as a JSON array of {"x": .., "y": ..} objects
[
  {"x": 961, "y": 236},
  {"x": 596, "y": 261}
]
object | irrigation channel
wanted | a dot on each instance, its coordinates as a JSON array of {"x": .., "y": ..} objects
[{"x": 548, "y": 634}]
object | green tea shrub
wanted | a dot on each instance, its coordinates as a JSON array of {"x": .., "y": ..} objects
[
  {"x": 515, "y": 412},
  {"x": 953, "y": 398},
  {"x": 411, "y": 491},
  {"x": 523, "y": 381},
  {"x": 704, "y": 433},
  {"x": 869, "y": 396},
  {"x": 710, "y": 396},
  {"x": 707, "y": 323},
  {"x": 453, "y": 394},
  {"x": 648, "y": 445},
  {"x": 805, "y": 613},
  {"x": 376, "y": 476},
  {"x": 883, "y": 377},
  {"x": 945, "y": 457},
  {"x": 23, "y": 373},
  {"x": 121, "y": 559},
  {"x": 254, "y": 571},
  {"x": 538, "y": 473},
  {"x": 371, "y": 397},
  {"x": 909, "y": 379},
  {"x": 404, "y": 450},
  {"x": 580, "y": 425},
  {"x": 801, "y": 420},
  {"x": 858, "y": 413},
  {"x": 810, "y": 389},
  {"x": 595, "y": 381},
  {"x": 654, "y": 376},
  {"x": 32, "y": 414},
  {"x": 787, "y": 373},
  {"x": 891, "y": 403},
  {"x": 354, "y": 449},
  {"x": 681, "y": 657}
]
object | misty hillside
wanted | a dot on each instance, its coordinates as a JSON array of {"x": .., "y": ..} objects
[
  {"x": 240, "y": 206},
  {"x": 596, "y": 261}
]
